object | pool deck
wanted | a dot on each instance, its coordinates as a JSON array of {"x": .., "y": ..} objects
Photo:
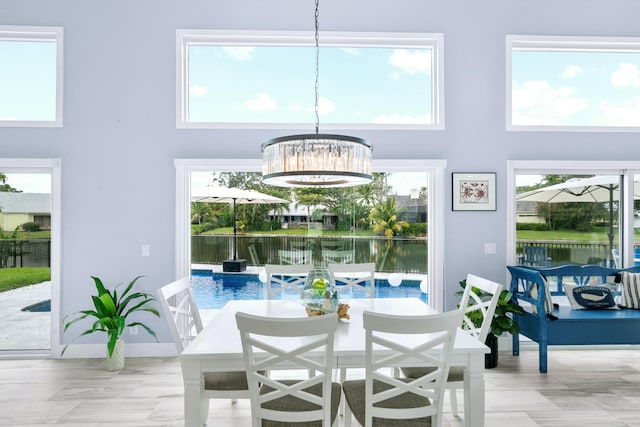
[{"x": 24, "y": 330}]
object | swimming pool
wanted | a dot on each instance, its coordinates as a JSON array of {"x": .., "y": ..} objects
[{"x": 213, "y": 290}]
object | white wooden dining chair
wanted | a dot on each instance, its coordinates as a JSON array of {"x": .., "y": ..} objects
[
  {"x": 180, "y": 309},
  {"x": 382, "y": 399},
  {"x": 286, "y": 279},
  {"x": 353, "y": 281},
  {"x": 470, "y": 302},
  {"x": 284, "y": 347}
]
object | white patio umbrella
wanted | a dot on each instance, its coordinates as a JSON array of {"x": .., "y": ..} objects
[
  {"x": 596, "y": 189},
  {"x": 216, "y": 194}
]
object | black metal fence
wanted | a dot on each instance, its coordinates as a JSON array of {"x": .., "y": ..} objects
[
  {"x": 25, "y": 253},
  {"x": 565, "y": 252},
  {"x": 390, "y": 255}
]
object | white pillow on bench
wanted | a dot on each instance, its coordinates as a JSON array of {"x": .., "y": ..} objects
[
  {"x": 630, "y": 287},
  {"x": 589, "y": 297}
]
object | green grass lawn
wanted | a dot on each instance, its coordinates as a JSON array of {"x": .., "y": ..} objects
[{"x": 12, "y": 278}]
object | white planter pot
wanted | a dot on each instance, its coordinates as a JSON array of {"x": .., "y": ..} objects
[{"x": 116, "y": 361}]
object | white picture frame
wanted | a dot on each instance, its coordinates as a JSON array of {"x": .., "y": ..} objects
[{"x": 473, "y": 191}]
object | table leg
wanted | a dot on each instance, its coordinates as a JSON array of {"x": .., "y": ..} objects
[
  {"x": 474, "y": 391},
  {"x": 193, "y": 386}
]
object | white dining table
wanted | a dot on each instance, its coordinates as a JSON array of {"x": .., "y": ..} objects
[{"x": 218, "y": 348}]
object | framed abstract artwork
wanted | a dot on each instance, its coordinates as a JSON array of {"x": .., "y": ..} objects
[{"x": 474, "y": 191}]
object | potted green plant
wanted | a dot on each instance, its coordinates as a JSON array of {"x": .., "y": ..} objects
[
  {"x": 111, "y": 311},
  {"x": 502, "y": 321}
]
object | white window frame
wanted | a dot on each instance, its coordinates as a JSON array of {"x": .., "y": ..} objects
[
  {"x": 298, "y": 38},
  {"x": 55, "y": 34},
  {"x": 543, "y": 167},
  {"x": 573, "y": 43},
  {"x": 435, "y": 170},
  {"x": 53, "y": 167}
]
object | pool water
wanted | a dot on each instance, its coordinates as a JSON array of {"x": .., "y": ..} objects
[{"x": 213, "y": 290}]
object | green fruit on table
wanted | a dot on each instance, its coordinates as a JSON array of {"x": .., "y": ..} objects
[{"x": 319, "y": 284}]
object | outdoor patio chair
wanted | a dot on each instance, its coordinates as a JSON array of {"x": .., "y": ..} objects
[
  {"x": 535, "y": 256},
  {"x": 470, "y": 302},
  {"x": 330, "y": 256},
  {"x": 276, "y": 399},
  {"x": 178, "y": 305},
  {"x": 382, "y": 398},
  {"x": 615, "y": 254},
  {"x": 297, "y": 256}
]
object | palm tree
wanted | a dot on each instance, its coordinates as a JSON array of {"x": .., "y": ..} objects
[{"x": 385, "y": 219}]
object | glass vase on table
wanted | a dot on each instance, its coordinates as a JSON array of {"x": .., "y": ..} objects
[{"x": 319, "y": 294}]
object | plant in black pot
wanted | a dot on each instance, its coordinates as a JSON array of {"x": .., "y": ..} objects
[{"x": 502, "y": 320}]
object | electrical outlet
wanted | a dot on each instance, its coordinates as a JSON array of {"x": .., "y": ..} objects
[{"x": 133, "y": 330}]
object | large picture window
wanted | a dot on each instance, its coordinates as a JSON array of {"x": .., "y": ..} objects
[
  {"x": 573, "y": 83},
  {"x": 267, "y": 79},
  {"x": 31, "y": 76},
  {"x": 396, "y": 223},
  {"x": 572, "y": 212}
]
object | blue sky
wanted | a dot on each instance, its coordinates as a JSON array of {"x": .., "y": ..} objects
[
  {"x": 357, "y": 85},
  {"x": 578, "y": 88},
  {"x": 276, "y": 85},
  {"x": 27, "y": 80}
]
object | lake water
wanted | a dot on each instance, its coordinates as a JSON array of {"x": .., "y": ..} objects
[{"x": 213, "y": 290}]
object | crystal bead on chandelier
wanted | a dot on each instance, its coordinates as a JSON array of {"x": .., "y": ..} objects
[{"x": 316, "y": 160}]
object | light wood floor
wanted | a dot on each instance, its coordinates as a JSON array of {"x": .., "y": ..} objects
[{"x": 582, "y": 388}]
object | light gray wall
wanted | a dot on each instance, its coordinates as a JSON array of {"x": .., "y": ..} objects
[{"x": 119, "y": 137}]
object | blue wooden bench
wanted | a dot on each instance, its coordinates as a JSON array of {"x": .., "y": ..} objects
[{"x": 564, "y": 325}]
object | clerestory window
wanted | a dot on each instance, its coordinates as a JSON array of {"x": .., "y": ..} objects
[
  {"x": 31, "y": 76},
  {"x": 267, "y": 79},
  {"x": 573, "y": 83}
]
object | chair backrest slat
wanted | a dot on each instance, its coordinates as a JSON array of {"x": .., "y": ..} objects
[
  {"x": 283, "y": 279},
  {"x": 179, "y": 305},
  {"x": 354, "y": 278},
  {"x": 422, "y": 341},
  {"x": 471, "y": 303},
  {"x": 274, "y": 345}
]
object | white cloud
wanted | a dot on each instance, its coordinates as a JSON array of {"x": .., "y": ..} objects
[
  {"x": 396, "y": 119},
  {"x": 571, "y": 71},
  {"x": 626, "y": 113},
  {"x": 196, "y": 90},
  {"x": 410, "y": 61},
  {"x": 351, "y": 50},
  {"x": 537, "y": 102},
  {"x": 261, "y": 102},
  {"x": 325, "y": 106},
  {"x": 241, "y": 53},
  {"x": 627, "y": 75},
  {"x": 11, "y": 118}
]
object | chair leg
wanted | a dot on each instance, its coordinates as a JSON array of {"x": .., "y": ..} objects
[
  {"x": 453, "y": 393},
  {"x": 347, "y": 414},
  {"x": 204, "y": 410},
  {"x": 343, "y": 402}
]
